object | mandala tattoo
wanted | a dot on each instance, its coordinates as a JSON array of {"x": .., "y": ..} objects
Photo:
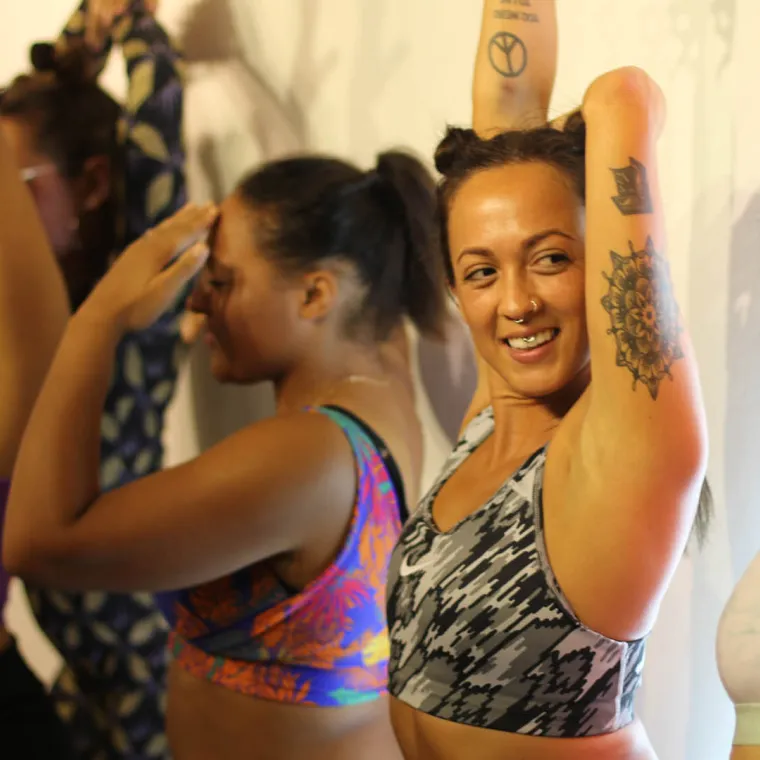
[
  {"x": 644, "y": 315},
  {"x": 633, "y": 190}
]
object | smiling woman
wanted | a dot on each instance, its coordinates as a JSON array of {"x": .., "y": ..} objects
[{"x": 523, "y": 588}]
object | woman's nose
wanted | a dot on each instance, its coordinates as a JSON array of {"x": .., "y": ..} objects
[{"x": 515, "y": 298}]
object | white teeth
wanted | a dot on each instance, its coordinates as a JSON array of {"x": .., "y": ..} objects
[{"x": 532, "y": 341}]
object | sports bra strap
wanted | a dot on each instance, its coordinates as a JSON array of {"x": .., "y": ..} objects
[{"x": 382, "y": 449}]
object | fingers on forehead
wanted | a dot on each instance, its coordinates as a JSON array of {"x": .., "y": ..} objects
[{"x": 189, "y": 220}]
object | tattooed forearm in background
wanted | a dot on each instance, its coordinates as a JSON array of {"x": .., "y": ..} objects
[{"x": 515, "y": 65}]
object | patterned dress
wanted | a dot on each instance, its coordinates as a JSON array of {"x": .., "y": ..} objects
[{"x": 111, "y": 689}]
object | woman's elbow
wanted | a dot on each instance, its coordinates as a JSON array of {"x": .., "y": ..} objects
[
  {"x": 17, "y": 556},
  {"x": 23, "y": 559},
  {"x": 628, "y": 89}
]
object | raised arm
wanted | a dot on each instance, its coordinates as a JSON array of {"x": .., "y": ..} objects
[
  {"x": 155, "y": 157},
  {"x": 181, "y": 526},
  {"x": 33, "y": 307},
  {"x": 642, "y": 444},
  {"x": 515, "y": 66}
]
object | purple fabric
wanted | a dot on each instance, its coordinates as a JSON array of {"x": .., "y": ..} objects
[{"x": 4, "y": 579}]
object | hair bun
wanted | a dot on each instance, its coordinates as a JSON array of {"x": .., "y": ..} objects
[
  {"x": 454, "y": 145},
  {"x": 575, "y": 128},
  {"x": 72, "y": 65}
]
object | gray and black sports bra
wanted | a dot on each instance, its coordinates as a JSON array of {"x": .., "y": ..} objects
[{"x": 480, "y": 631}]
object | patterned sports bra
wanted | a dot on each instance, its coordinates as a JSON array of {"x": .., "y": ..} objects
[
  {"x": 481, "y": 632},
  {"x": 326, "y": 645}
]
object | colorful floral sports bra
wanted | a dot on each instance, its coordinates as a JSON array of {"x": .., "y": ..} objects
[{"x": 325, "y": 645}]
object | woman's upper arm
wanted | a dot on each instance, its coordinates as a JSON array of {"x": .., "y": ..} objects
[
  {"x": 644, "y": 428},
  {"x": 255, "y": 495},
  {"x": 515, "y": 66},
  {"x": 34, "y": 307}
]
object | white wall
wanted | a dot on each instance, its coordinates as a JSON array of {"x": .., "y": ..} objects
[{"x": 357, "y": 76}]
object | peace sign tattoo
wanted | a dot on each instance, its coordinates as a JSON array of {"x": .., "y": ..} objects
[{"x": 508, "y": 54}]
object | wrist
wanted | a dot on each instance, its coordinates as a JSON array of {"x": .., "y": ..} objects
[{"x": 97, "y": 325}]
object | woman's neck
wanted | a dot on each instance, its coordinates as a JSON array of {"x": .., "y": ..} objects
[
  {"x": 324, "y": 374},
  {"x": 522, "y": 425}
]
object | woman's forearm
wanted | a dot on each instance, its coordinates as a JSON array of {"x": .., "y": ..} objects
[
  {"x": 57, "y": 471},
  {"x": 516, "y": 65},
  {"x": 645, "y": 385}
]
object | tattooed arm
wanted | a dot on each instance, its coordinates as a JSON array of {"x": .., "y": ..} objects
[
  {"x": 641, "y": 447},
  {"x": 515, "y": 65}
]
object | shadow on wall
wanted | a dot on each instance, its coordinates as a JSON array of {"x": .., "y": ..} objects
[
  {"x": 446, "y": 370},
  {"x": 213, "y": 34},
  {"x": 743, "y": 397},
  {"x": 448, "y": 374}
]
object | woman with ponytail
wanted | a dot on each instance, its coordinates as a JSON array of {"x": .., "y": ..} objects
[
  {"x": 101, "y": 174},
  {"x": 272, "y": 547},
  {"x": 524, "y": 586}
]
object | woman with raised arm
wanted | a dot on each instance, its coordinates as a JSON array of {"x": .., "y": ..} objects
[
  {"x": 282, "y": 533},
  {"x": 33, "y": 314},
  {"x": 524, "y": 587},
  {"x": 101, "y": 175}
]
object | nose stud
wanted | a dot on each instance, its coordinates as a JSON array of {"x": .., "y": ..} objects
[{"x": 534, "y": 309}]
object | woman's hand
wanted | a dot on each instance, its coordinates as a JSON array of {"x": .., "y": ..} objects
[
  {"x": 103, "y": 14},
  {"x": 147, "y": 278}
]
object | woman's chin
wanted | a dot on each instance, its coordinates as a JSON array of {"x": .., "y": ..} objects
[{"x": 541, "y": 384}]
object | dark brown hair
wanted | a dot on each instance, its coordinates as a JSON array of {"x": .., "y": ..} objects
[
  {"x": 384, "y": 222},
  {"x": 73, "y": 118},
  {"x": 462, "y": 153}
]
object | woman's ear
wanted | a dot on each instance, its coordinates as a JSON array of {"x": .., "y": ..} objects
[{"x": 319, "y": 295}]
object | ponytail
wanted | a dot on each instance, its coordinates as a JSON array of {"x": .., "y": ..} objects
[{"x": 422, "y": 291}]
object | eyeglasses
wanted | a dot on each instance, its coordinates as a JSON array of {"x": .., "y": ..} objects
[{"x": 28, "y": 173}]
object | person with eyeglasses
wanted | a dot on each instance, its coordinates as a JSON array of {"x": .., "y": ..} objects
[
  {"x": 101, "y": 174},
  {"x": 33, "y": 315}
]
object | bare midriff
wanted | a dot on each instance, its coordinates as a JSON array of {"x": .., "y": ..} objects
[
  {"x": 423, "y": 737},
  {"x": 205, "y": 721}
]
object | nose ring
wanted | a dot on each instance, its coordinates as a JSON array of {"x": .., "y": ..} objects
[{"x": 534, "y": 309}]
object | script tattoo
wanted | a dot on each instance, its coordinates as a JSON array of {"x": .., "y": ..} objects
[
  {"x": 510, "y": 15},
  {"x": 644, "y": 316},
  {"x": 508, "y": 54},
  {"x": 633, "y": 190}
]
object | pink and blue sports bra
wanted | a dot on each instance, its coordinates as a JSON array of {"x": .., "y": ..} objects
[{"x": 326, "y": 645}]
